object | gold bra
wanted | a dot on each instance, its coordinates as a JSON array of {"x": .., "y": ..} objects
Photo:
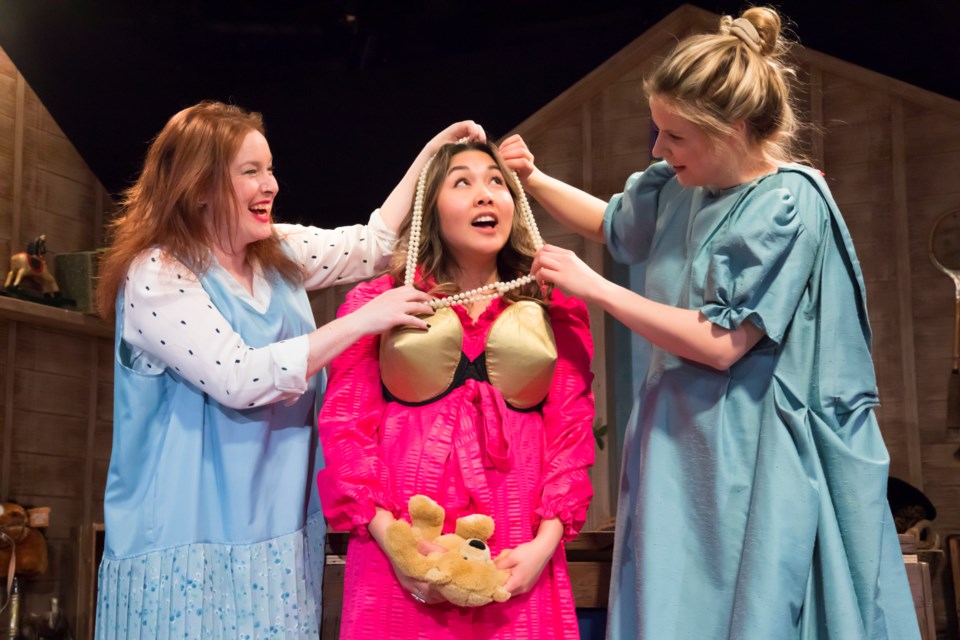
[{"x": 419, "y": 367}]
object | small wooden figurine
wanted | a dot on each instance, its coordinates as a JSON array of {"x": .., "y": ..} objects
[{"x": 31, "y": 267}]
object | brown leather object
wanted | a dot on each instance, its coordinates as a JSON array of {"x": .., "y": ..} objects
[{"x": 31, "y": 546}]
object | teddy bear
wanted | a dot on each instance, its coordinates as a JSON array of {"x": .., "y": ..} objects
[
  {"x": 465, "y": 573},
  {"x": 16, "y": 527}
]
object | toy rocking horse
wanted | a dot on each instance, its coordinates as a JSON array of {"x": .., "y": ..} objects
[{"x": 30, "y": 268}]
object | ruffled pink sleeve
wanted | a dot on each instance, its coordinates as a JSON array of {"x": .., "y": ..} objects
[
  {"x": 355, "y": 480},
  {"x": 568, "y": 419}
]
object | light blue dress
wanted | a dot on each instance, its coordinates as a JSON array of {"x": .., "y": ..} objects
[
  {"x": 753, "y": 500},
  {"x": 213, "y": 523}
]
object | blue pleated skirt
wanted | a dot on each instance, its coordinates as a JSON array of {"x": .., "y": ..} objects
[{"x": 267, "y": 589}]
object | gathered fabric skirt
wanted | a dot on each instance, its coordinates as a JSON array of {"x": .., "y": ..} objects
[{"x": 266, "y": 589}]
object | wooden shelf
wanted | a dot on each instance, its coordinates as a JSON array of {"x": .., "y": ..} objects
[{"x": 54, "y": 317}]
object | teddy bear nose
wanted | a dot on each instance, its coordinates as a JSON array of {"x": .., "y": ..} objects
[{"x": 477, "y": 544}]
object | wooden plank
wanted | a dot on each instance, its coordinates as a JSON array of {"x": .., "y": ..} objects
[
  {"x": 7, "y": 68},
  {"x": 569, "y": 172},
  {"x": 105, "y": 361},
  {"x": 918, "y": 577},
  {"x": 63, "y": 319},
  {"x": 946, "y": 498},
  {"x": 904, "y": 294},
  {"x": 71, "y": 235},
  {"x": 930, "y": 133},
  {"x": 105, "y": 404},
  {"x": 17, "y": 210},
  {"x": 333, "y": 574},
  {"x": 58, "y": 156},
  {"x": 940, "y": 467},
  {"x": 103, "y": 440},
  {"x": 876, "y": 265},
  {"x": 858, "y": 183},
  {"x": 8, "y": 95},
  {"x": 626, "y": 137},
  {"x": 43, "y": 349},
  {"x": 33, "y": 390},
  {"x": 70, "y": 200},
  {"x": 89, "y": 538},
  {"x": 43, "y": 475},
  {"x": 43, "y": 433},
  {"x": 591, "y": 583},
  {"x": 623, "y": 100},
  {"x": 564, "y": 144},
  {"x": 594, "y": 254},
  {"x": 98, "y": 486},
  {"x": 857, "y": 143},
  {"x": 91, "y": 435},
  {"x": 8, "y": 390},
  {"x": 907, "y": 92},
  {"x": 953, "y": 553},
  {"x": 935, "y": 175},
  {"x": 853, "y": 104},
  {"x": 6, "y": 169}
]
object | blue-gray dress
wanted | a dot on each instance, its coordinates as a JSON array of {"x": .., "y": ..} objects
[{"x": 753, "y": 500}]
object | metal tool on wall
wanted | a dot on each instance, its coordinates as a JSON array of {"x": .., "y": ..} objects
[{"x": 945, "y": 255}]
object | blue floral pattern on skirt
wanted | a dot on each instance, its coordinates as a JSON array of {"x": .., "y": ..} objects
[{"x": 268, "y": 589}]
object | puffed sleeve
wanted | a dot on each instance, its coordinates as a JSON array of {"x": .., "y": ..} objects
[
  {"x": 568, "y": 419},
  {"x": 759, "y": 267},
  {"x": 631, "y": 216},
  {"x": 355, "y": 479}
]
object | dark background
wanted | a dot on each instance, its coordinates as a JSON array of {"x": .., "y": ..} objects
[{"x": 348, "y": 102}]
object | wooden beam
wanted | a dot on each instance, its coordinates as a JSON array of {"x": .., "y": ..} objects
[
  {"x": 93, "y": 383},
  {"x": 896, "y": 88},
  {"x": 908, "y": 358},
  {"x": 8, "y": 391},
  {"x": 18, "y": 125},
  {"x": 58, "y": 318},
  {"x": 594, "y": 254}
]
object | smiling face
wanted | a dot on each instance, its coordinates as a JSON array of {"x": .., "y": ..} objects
[
  {"x": 255, "y": 187},
  {"x": 475, "y": 208},
  {"x": 697, "y": 159}
]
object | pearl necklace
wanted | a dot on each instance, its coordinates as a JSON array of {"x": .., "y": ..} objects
[{"x": 488, "y": 291}]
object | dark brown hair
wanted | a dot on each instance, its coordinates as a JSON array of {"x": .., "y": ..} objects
[{"x": 513, "y": 260}]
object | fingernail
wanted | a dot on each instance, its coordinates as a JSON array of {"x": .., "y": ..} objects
[{"x": 429, "y": 325}]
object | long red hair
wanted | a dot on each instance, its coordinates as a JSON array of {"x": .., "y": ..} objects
[{"x": 185, "y": 181}]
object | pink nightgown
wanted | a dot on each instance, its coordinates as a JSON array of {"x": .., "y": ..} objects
[{"x": 471, "y": 453}]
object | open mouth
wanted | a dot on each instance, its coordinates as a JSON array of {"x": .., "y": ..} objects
[
  {"x": 484, "y": 222},
  {"x": 261, "y": 211}
]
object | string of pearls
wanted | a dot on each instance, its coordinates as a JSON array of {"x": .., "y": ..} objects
[{"x": 486, "y": 292}]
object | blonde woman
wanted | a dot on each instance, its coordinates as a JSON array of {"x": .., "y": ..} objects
[{"x": 753, "y": 495}]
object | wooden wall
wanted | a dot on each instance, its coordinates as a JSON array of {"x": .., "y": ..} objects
[
  {"x": 891, "y": 154},
  {"x": 55, "y": 365}
]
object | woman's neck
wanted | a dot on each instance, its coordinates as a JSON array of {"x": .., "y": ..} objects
[
  {"x": 471, "y": 277},
  {"x": 752, "y": 164},
  {"x": 236, "y": 264}
]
